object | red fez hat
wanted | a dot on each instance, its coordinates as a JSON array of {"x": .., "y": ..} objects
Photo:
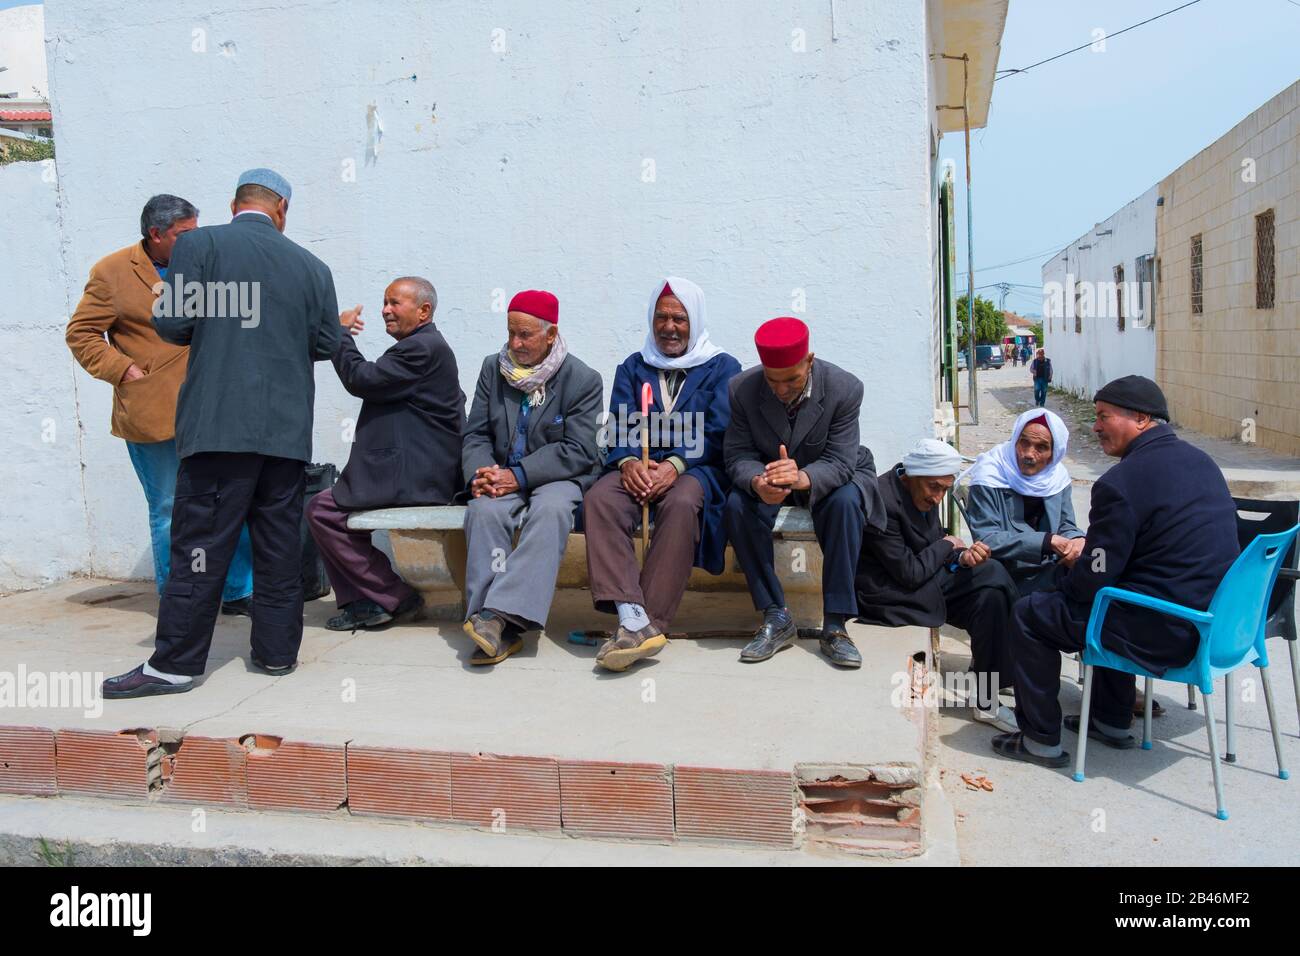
[
  {"x": 1040, "y": 420},
  {"x": 539, "y": 304},
  {"x": 781, "y": 342}
]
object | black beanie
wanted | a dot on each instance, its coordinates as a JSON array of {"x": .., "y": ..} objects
[{"x": 1136, "y": 393}]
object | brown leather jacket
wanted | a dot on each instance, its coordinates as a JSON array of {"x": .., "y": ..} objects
[{"x": 118, "y": 301}]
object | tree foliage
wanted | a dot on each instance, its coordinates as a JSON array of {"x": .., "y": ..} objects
[{"x": 990, "y": 326}]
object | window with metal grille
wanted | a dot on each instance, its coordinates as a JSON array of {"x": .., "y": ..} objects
[
  {"x": 1264, "y": 271},
  {"x": 1144, "y": 274},
  {"x": 1078, "y": 317},
  {"x": 1119, "y": 298},
  {"x": 1198, "y": 305}
]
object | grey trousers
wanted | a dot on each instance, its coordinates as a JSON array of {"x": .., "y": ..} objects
[{"x": 518, "y": 583}]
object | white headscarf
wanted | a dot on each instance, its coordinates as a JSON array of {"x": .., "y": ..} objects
[
  {"x": 698, "y": 347},
  {"x": 998, "y": 468},
  {"x": 932, "y": 458}
]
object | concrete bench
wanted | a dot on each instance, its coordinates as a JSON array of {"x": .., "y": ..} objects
[{"x": 428, "y": 546}]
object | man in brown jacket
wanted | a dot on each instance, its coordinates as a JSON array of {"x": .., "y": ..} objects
[{"x": 112, "y": 335}]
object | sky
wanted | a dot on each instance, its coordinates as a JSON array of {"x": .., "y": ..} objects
[{"x": 1070, "y": 142}]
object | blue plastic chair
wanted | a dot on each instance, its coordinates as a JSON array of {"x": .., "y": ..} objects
[{"x": 1232, "y": 634}]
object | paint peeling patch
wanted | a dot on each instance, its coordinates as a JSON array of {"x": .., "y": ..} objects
[
  {"x": 227, "y": 49},
  {"x": 374, "y": 133}
]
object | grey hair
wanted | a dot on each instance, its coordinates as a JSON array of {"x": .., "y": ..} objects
[
  {"x": 424, "y": 291},
  {"x": 162, "y": 211}
]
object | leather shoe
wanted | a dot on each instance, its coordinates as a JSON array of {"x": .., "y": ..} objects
[
  {"x": 839, "y": 647},
  {"x": 136, "y": 683},
  {"x": 626, "y": 647},
  {"x": 274, "y": 670},
  {"x": 242, "y": 607},
  {"x": 777, "y": 633},
  {"x": 361, "y": 614}
]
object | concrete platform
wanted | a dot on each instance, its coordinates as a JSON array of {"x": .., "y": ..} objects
[{"x": 792, "y": 752}]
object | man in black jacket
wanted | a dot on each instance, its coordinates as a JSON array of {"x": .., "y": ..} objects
[
  {"x": 793, "y": 440},
  {"x": 1162, "y": 523},
  {"x": 257, "y": 310},
  {"x": 406, "y": 451},
  {"x": 911, "y": 572}
]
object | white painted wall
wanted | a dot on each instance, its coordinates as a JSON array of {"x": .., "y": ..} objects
[
  {"x": 775, "y": 171},
  {"x": 22, "y": 50},
  {"x": 42, "y": 511},
  {"x": 1084, "y": 361}
]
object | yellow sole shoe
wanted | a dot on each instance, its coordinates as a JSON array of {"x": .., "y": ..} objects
[
  {"x": 481, "y": 656},
  {"x": 620, "y": 659},
  {"x": 483, "y": 643}
]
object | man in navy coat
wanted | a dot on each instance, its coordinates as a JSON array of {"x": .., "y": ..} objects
[
  {"x": 257, "y": 311},
  {"x": 1162, "y": 523},
  {"x": 685, "y": 483}
]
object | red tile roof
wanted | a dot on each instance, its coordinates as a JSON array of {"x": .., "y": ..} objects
[{"x": 25, "y": 116}]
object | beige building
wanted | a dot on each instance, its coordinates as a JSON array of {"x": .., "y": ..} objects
[{"x": 1228, "y": 301}]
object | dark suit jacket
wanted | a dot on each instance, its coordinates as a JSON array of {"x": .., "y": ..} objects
[
  {"x": 1165, "y": 524},
  {"x": 823, "y": 441},
  {"x": 561, "y": 432},
  {"x": 897, "y": 580},
  {"x": 407, "y": 444},
  {"x": 250, "y": 386}
]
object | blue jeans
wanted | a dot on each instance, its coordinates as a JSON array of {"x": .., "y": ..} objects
[
  {"x": 1040, "y": 392},
  {"x": 156, "y": 465}
]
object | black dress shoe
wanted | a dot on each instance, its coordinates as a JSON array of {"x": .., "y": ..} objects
[
  {"x": 136, "y": 683},
  {"x": 242, "y": 607},
  {"x": 777, "y": 633},
  {"x": 361, "y": 614},
  {"x": 278, "y": 670},
  {"x": 408, "y": 608},
  {"x": 839, "y": 647},
  {"x": 1013, "y": 746}
]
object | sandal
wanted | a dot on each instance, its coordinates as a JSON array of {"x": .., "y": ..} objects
[
  {"x": 1127, "y": 742},
  {"x": 1156, "y": 709},
  {"x": 1013, "y": 746}
]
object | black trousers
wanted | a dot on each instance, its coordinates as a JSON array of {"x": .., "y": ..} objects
[
  {"x": 838, "y": 520},
  {"x": 216, "y": 492},
  {"x": 979, "y": 601},
  {"x": 1042, "y": 626}
]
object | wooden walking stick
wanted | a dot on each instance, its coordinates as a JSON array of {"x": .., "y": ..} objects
[{"x": 647, "y": 396}]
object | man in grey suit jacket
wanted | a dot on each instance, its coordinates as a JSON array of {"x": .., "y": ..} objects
[
  {"x": 530, "y": 451},
  {"x": 793, "y": 440},
  {"x": 243, "y": 429}
]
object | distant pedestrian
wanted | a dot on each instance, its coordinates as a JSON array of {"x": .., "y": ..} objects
[{"x": 1041, "y": 369}]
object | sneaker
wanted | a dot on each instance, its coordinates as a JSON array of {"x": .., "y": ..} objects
[
  {"x": 626, "y": 647},
  {"x": 1002, "y": 717}
]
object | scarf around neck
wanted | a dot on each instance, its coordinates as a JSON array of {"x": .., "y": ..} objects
[
  {"x": 532, "y": 379},
  {"x": 998, "y": 468}
]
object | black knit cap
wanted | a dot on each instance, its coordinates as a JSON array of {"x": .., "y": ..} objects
[{"x": 1136, "y": 393}]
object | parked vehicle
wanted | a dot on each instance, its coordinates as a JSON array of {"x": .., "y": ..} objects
[
  {"x": 989, "y": 356},
  {"x": 961, "y": 360}
]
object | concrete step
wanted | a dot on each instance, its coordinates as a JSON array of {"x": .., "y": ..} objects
[{"x": 692, "y": 747}]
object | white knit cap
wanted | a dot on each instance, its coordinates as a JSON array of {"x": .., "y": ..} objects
[{"x": 931, "y": 458}]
